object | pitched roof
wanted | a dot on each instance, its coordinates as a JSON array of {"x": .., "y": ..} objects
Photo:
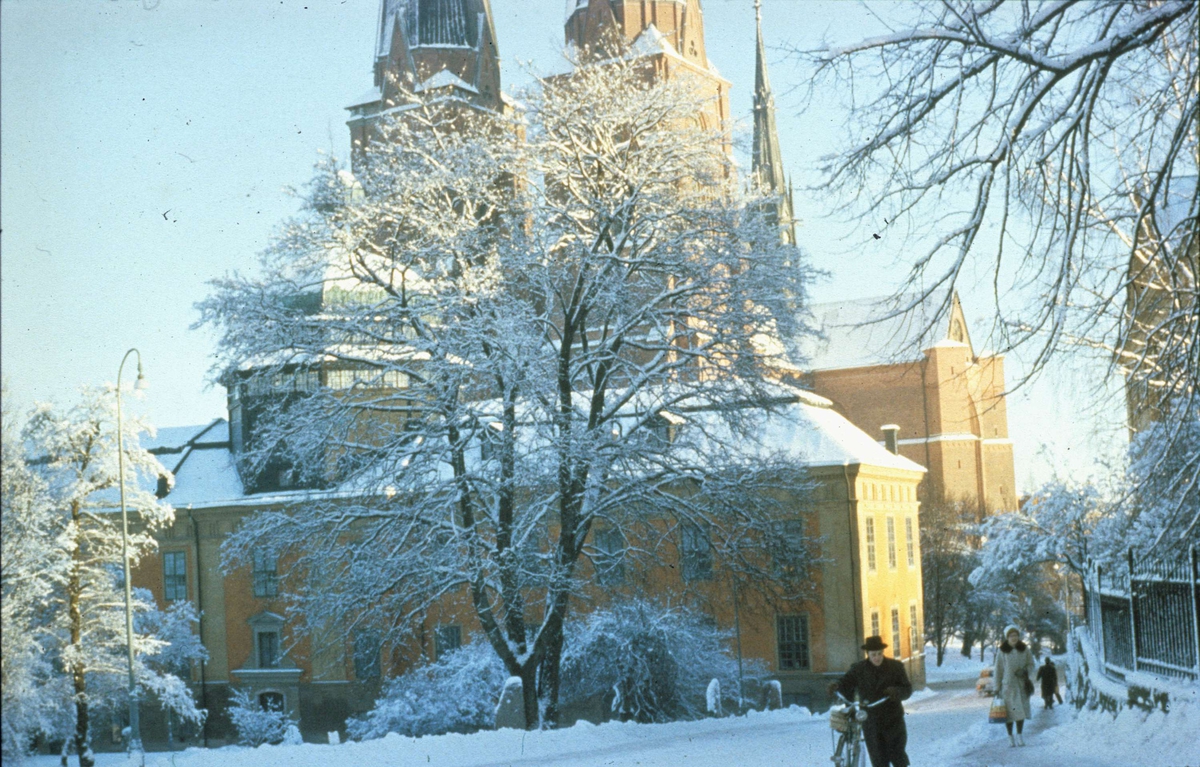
[
  {"x": 804, "y": 428},
  {"x": 871, "y": 331}
]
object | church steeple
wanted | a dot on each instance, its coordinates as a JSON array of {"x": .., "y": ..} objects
[
  {"x": 433, "y": 47},
  {"x": 766, "y": 164}
]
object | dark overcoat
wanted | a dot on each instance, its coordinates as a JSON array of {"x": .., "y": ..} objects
[
  {"x": 871, "y": 682},
  {"x": 1048, "y": 675}
]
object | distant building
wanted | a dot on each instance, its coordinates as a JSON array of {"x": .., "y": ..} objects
[
  {"x": 857, "y": 496},
  {"x": 946, "y": 401}
]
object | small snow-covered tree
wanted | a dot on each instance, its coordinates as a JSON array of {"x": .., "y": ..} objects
[
  {"x": 33, "y": 566},
  {"x": 75, "y": 455},
  {"x": 947, "y": 558},
  {"x": 258, "y": 724},
  {"x": 1060, "y": 141},
  {"x": 507, "y": 338}
]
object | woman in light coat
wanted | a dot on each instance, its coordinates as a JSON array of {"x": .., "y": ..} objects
[{"x": 1014, "y": 674}]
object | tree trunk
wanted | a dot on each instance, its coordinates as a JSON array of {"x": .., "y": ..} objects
[
  {"x": 550, "y": 677},
  {"x": 968, "y": 643},
  {"x": 529, "y": 696},
  {"x": 75, "y": 614},
  {"x": 83, "y": 746}
]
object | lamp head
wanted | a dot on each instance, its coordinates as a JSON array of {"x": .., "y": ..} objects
[{"x": 140, "y": 384}]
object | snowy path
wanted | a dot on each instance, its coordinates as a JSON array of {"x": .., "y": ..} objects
[{"x": 947, "y": 728}]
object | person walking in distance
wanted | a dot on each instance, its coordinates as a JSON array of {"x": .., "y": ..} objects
[
  {"x": 1014, "y": 665},
  {"x": 1048, "y": 676},
  {"x": 878, "y": 677}
]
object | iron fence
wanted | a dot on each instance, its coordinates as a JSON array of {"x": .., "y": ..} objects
[{"x": 1144, "y": 616}]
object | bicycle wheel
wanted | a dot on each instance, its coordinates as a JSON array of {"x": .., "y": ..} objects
[
  {"x": 856, "y": 754},
  {"x": 841, "y": 752}
]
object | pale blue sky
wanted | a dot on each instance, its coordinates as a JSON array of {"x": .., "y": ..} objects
[{"x": 146, "y": 146}]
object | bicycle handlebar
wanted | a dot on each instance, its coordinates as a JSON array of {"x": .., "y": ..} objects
[{"x": 863, "y": 705}]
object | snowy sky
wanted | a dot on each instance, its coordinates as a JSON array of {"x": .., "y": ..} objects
[{"x": 147, "y": 144}]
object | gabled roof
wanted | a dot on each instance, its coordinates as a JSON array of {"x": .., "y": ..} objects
[{"x": 868, "y": 331}]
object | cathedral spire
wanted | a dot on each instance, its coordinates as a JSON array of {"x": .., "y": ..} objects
[{"x": 766, "y": 164}]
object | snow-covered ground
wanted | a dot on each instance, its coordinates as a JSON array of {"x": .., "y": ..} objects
[{"x": 946, "y": 726}]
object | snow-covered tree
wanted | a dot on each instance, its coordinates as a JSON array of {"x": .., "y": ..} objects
[
  {"x": 255, "y": 723},
  {"x": 455, "y": 693},
  {"x": 1163, "y": 487},
  {"x": 509, "y": 337},
  {"x": 648, "y": 661},
  {"x": 75, "y": 456},
  {"x": 1057, "y": 144},
  {"x": 32, "y": 568},
  {"x": 947, "y": 558},
  {"x": 657, "y": 663}
]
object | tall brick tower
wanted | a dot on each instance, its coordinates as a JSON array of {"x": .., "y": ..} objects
[
  {"x": 670, "y": 32},
  {"x": 443, "y": 48}
]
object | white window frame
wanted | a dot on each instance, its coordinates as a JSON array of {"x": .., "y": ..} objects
[{"x": 869, "y": 524}]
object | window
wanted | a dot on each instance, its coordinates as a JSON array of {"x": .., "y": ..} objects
[
  {"x": 908, "y": 542},
  {"x": 697, "y": 559},
  {"x": 446, "y": 639},
  {"x": 891, "y": 541},
  {"x": 895, "y": 632},
  {"x": 366, "y": 654},
  {"x": 875, "y": 623},
  {"x": 610, "y": 549},
  {"x": 792, "y": 634},
  {"x": 914, "y": 636},
  {"x": 174, "y": 575},
  {"x": 271, "y": 701},
  {"x": 871, "y": 544},
  {"x": 789, "y": 555},
  {"x": 266, "y": 573},
  {"x": 268, "y": 649}
]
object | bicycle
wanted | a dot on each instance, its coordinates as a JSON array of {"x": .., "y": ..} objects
[{"x": 848, "y": 720}]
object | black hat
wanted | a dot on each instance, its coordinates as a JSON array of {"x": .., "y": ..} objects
[{"x": 874, "y": 643}]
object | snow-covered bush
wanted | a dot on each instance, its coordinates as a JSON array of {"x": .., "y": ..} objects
[
  {"x": 456, "y": 693},
  {"x": 255, "y": 724},
  {"x": 657, "y": 661}
]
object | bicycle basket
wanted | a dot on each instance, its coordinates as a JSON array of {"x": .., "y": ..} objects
[{"x": 839, "y": 720}]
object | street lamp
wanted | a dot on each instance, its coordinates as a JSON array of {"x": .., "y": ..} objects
[{"x": 135, "y": 732}]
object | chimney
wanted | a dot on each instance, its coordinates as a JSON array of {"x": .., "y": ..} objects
[{"x": 891, "y": 438}]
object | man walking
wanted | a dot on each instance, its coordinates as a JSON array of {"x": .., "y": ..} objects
[
  {"x": 874, "y": 678},
  {"x": 1048, "y": 676}
]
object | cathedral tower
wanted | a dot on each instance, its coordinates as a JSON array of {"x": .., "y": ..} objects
[
  {"x": 435, "y": 47},
  {"x": 671, "y": 32},
  {"x": 766, "y": 164}
]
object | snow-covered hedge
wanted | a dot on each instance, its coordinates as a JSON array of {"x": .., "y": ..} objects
[
  {"x": 653, "y": 663},
  {"x": 256, "y": 725},
  {"x": 657, "y": 662},
  {"x": 457, "y": 693}
]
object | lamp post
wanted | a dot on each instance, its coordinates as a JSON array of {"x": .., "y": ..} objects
[{"x": 135, "y": 732}]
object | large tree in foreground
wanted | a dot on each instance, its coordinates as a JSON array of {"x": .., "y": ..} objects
[
  {"x": 522, "y": 344},
  {"x": 1057, "y": 142}
]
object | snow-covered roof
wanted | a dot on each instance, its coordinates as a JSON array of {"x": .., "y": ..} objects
[
  {"x": 853, "y": 335},
  {"x": 804, "y": 427},
  {"x": 808, "y": 430},
  {"x": 446, "y": 79},
  {"x": 370, "y": 97}
]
